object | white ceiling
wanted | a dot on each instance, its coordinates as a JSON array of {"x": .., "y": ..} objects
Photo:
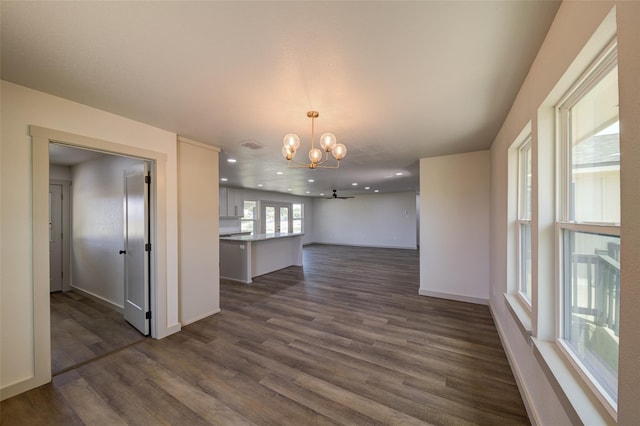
[
  {"x": 394, "y": 81},
  {"x": 62, "y": 155}
]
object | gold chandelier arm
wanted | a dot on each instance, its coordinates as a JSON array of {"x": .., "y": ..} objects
[{"x": 298, "y": 165}]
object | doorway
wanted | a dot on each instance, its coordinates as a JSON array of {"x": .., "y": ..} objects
[
  {"x": 107, "y": 307},
  {"x": 163, "y": 260},
  {"x": 276, "y": 218}
]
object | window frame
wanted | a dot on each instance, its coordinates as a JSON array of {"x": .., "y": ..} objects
[
  {"x": 522, "y": 218},
  {"x": 295, "y": 219},
  {"x": 254, "y": 221},
  {"x": 604, "y": 63}
]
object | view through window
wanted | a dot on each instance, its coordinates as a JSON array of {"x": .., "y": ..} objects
[{"x": 590, "y": 226}]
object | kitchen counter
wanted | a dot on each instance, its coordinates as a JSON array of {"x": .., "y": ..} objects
[
  {"x": 243, "y": 257},
  {"x": 259, "y": 237}
]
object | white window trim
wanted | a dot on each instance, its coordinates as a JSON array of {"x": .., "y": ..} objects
[
  {"x": 519, "y": 307},
  {"x": 575, "y": 395},
  {"x": 254, "y": 220},
  {"x": 604, "y": 63},
  {"x": 522, "y": 219},
  {"x": 301, "y": 219}
]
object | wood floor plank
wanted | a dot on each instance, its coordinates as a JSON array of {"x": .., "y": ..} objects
[
  {"x": 345, "y": 339},
  {"x": 365, "y": 406},
  {"x": 82, "y": 329},
  {"x": 88, "y": 405}
]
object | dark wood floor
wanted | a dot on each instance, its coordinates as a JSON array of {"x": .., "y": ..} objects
[
  {"x": 82, "y": 330},
  {"x": 344, "y": 340}
]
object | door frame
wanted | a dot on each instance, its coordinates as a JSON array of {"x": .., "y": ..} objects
[
  {"x": 41, "y": 137},
  {"x": 277, "y": 205},
  {"x": 66, "y": 231}
]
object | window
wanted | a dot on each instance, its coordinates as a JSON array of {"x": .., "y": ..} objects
[
  {"x": 589, "y": 225},
  {"x": 297, "y": 218},
  {"x": 249, "y": 217},
  {"x": 524, "y": 220}
]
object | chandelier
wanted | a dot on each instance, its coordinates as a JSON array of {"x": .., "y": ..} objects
[{"x": 328, "y": 143}]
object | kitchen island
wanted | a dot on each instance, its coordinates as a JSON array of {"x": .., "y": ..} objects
[{"x": 243, "y": 257}]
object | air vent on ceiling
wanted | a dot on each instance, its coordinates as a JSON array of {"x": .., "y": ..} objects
[{"x": 252, "y": 145}]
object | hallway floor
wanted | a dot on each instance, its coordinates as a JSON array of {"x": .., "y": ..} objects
[{"x": 82, "y": 330}]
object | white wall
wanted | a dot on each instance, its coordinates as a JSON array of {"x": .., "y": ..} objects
[
  {"x": 198, "y": 231},
  {"x": 22, "y": 107},
  {"x": 378, "y": 220},
  {"x": 560, "y": 56},
  {"x": 98, "y": 226},
  {"x": 59, "y": 172},
  {"x": 454, "y": 228}
]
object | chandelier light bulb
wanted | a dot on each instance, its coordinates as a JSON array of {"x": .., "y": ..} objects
[
  {"x": 292, "y": 141},
  {"x": 327, "y": 142},
  {"x": 315, "y": 155},
  {"x": 287, "y": 153},
  {"x": 339, "y": 151}
]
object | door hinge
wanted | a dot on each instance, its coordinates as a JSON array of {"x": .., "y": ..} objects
[
  {"x": 147, "y": 247},
  {"x": 147, "y": 179},
  {"x": 148, "y": 315}
]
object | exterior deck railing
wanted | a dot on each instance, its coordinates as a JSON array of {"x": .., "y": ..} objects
[{"x": 601, "y": 275}]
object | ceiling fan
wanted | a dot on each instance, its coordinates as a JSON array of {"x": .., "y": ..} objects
[{"x": 335, "y": 196}]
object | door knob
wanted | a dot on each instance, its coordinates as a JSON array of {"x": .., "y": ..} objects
[{"x": 122, "y": 252}]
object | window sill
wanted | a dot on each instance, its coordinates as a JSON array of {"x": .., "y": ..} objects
[
  {"x": 521, "y": 314},
  {"x": 578, "y": 400}
]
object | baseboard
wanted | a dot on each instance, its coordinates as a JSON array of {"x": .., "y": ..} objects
[
  {"x": 99, "y": 299},
  {"x": 456, "y": 297},
  {"x": 172, "y": 329},
  {"x": 199, "y": 317},
  {"x": 19, "y": 387},
  {"x": 526, "y": 396},
  {"x": 236, "y": 280}
]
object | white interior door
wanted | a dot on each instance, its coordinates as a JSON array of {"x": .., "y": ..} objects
[
  {"x": 276, "y": 217},
  {"x": 136, "y": 251},
  {"x": 55, "y": 237}
]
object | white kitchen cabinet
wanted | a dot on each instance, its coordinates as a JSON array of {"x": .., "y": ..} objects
[
  {"x": 235, "y": 202},
  {"x": 231, "y": 202},
  {"x": 223, "y": 201}
]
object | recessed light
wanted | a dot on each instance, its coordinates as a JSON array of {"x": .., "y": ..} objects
[
  {"x": 231, "y": 160},
  {"x": 260, "y": 185},
  {"x": 224, "y": 179},
  {"x": 366, "y": 187},
  {"x": 279, "y": 173},
  {"x": 289, "y": 189},
  {"x": 322, "y": 194},
  {"x": 399, "y": 174},
  {"x": 376, "y": 190},
  {"x": 355, "y": 184},
  {"x": 308, "y": 192},
  {"x": 311, "y": 181}
]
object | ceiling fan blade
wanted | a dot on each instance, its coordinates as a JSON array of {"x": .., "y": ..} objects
[{"x": 335, "y": 196}]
